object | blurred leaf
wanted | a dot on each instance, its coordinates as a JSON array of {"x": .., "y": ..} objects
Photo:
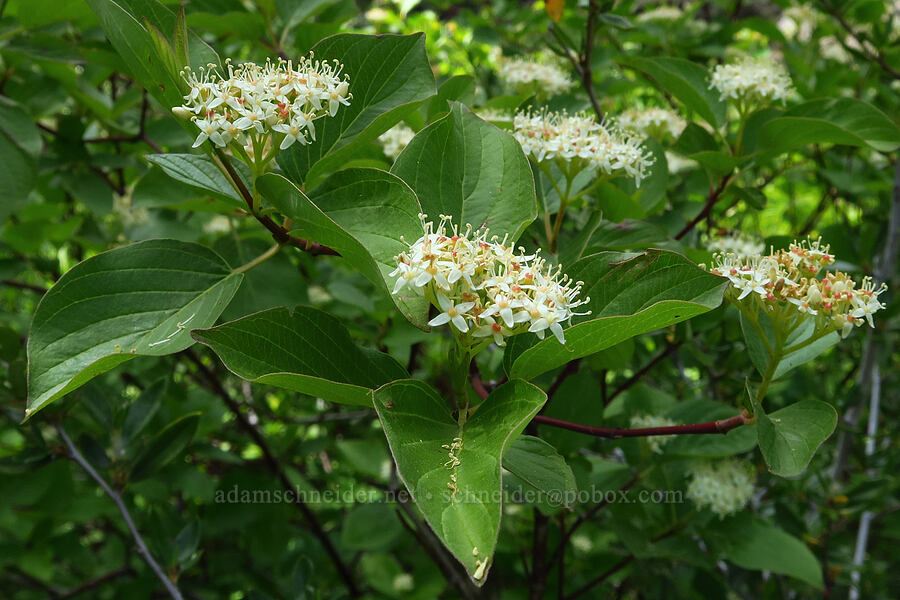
[
  {"x": 143, "y": 409},
  {"x": 373, "y": 526},
  {"x": 752, "y": 543},
  {"x": 845, "y": 121},
  {"x": 687, "y": 81},
  {"x": 165, "y": 446}
]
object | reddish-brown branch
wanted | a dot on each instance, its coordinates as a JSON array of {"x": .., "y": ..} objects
[
  {"x": 581, "y": 62},
  {"x": 279, "y": 233},
  {"x": 720, "y": 426},
  {"x": 213, "y": 383},
  {"x": 715, "y": 195}
]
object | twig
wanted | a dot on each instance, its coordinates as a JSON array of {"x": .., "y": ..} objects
[
  {"x": 279, "y": 233},
  {"x": 864, "y": 43},
  {"x": 123, "y": 510},
  {"x": 618, "y": 566},
  {"x": 97, "y": 582},
  {"x": 581, "y": 62},
  {"x": 570, "y": 369},
  {"x": 539, "y": 556},
  {"x": 435, "y": 550},
  {"x": 601, "y": 578},
  {"x": 715, "y": 195},
  {"x": 582, "y": 519},
  {"x": 37, "y": 289},
  {"x": 275, "y": 466},
  {"x": 670, "y": 348},
  {"x": 721, "y": 426}
]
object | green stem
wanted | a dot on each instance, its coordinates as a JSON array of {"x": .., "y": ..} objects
[
  {"x": 563, "y": 205},
  {"x": 259, "y": 259}
]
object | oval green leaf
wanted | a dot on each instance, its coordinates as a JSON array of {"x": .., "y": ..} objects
[
  {"x": 630, "y": 294},
  {"x": 136, "y": 300},
  {"x": 304, "y": 350},
  {"x": 452, "y": 472},
  {"x": 465, "y": 167}
]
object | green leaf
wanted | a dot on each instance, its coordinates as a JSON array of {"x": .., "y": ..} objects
[
  {"x": 458, "y": 87},
  {"x": 361, "y": 213},
  {"x": 465, "y": 167},
  {"x": 20, "y": 127},
  {"x": 422, "y": 434},
  {"x": 536, "y": 464},
  {"x": 760, "y": 336},
  {"x": 200, "y": 172},
  {"x": 389, "y": 74},
  {"x": 630, "y": 294},
  {"x": 17, "y": 176},
  {"x": 845, "y": 121},
  {"x": 142, "y": 410},
  {"x": 165, "y": 446},
  {"x": 126, "y": 302},
  {"x": 753, "y": 543},
  {"x": 789, "y": 437},
  {"x": 304, "y": 350},
  {"x": 121, "y": 21},
  {"x": 370, "y": 527},
  {"x": 687, "y": 81},
  {"x": 614, "y": 204}
]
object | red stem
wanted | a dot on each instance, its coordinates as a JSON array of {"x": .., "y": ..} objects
[{"x": 720, "y": 426}]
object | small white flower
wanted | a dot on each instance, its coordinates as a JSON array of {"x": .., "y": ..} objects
[{"x": 453, "y": 313}]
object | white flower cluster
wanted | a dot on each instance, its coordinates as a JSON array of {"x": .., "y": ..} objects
[
  {"x": 483, "y": 287},
  {"x": 279, "y": 99},
  {"x": 395, "y": 139},
  {"x": 662, "y": 13},
  {"x": 751, "y": 80},
  {"x": 799, "y": 22},
  {"x": 786, "y": 280},
  {"x": 652, "y": 122},
  {"x": 527, "y": 75},
  {"x": 655, "y": 442},
  {"x": 724, "y": 486},
  {"x": 579, "y": 139},
  {"x": 736, "y": 243}
]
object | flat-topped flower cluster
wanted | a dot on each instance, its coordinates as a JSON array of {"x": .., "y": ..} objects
[
  {"x": 652, "y": 122},
  {"x": 529, "y": 75},
  {"x": 279, "y": 99},
  {"x": 483, "y": 286},
  {"x": 787, "y": 279},
  {"x": 724, "y": 486},
  {"x": 395, "y": 139},
  {"x": 751, "y": 81},
  {"x": 582, "y": 142}
]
